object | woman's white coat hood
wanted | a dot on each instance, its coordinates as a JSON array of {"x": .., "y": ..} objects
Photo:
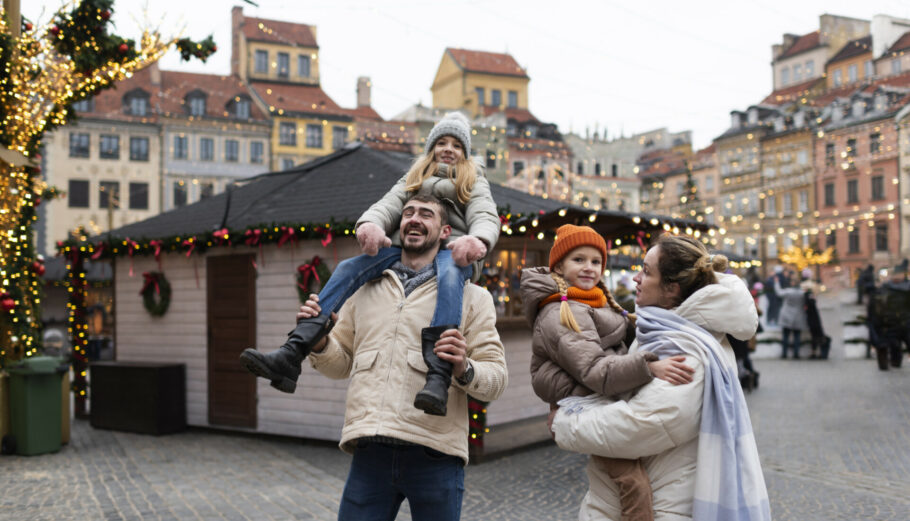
[{"x": 725, "y": 307}]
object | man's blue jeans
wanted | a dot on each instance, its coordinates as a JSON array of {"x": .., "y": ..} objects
[
  {"x": 353, "y": 273},
  {"x": 785, "y": 342},
  {"x": 383, "y": 475}
]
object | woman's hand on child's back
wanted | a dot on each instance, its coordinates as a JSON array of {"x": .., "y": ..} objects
[
  {"x": 672, "y": 369},
  {"x": 371, "y": 237}
]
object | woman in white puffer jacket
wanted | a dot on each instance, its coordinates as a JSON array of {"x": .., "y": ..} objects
[{"x": 700, "y": 468}]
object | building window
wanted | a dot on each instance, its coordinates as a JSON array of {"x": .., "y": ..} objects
[
  {"x": 513, "y": 99},
  {"x": 797, "y": 72},
  {"x": 261, "y": 62},
  {"x": 287, "y": 133},
  {"x": 139, "y": 196},
  {"x": 709, "y": 183},
  {"x": 810, "y": 69},
  {"x": 109, "y": 194},
  {"x": 480, "y": 96},
  {"x": 597, "y": 171},
  {"x": 242, "y": 108},
  {"x": 771, "y": 205},
  {"x": 110, "y": 147},
  {"x": 496, "y": 97},
  {"x": 77, "y": 195},
  {"x": 881, "y": 236},
  {"x": 875, "y": 143},
  {"x": 614, "y": 170},
  {"x": 303, "y": 66},
  {"x": 86, "y": 105},
  {"x": 136, "y": 103},
  {"x": 256, "y": 150},
  {"x": 868, "y": 69},
  {"x": 804, "y": 201},
  {"x": 851, "y": 147},
  {"x": 79, "y": 144},
  {"x": 853, "y": 73},
  {"x": 284, "y": 65},
  {"x": 206, "y": 190},
  {"x": 829, "y": 194},
  {"x": 206, "y": 149},
  {"x": 831, "y": 240},
  {"x": 852, "y": 191},
  {"x": 802, "y": 157},
  {"x": 139, "y": 149},
  {"x": 829, "y": 154},
  {"x": 878, "y": 188},
  {"x": 491, "y": 159},
  {"x": 313, "y": 136},
  {"x": 785, "y": 75},
  {"x": 517, "y": 167},
  {"x": 339, "y": 137},
  {"x": 896, "y": 66},
  {"x": 196, "y": 104},
  {"x": 180, "y": 147},
  {"x": 179, "y": 194},
  {"x": 838, "y": 77},
  {"x": 231, "y": 150},
  {"x": 581, "y": 168},
  {"x": 853, "y": 241},
  {"x": 287, "y": 163}
]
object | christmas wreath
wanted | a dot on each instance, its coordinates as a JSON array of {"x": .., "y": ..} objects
[
  {"x": 309, "y": 273},
  {"x": 156, "y": 293}
]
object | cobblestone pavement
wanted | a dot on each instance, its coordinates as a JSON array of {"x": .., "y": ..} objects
[{"x": 834, "y": 438}]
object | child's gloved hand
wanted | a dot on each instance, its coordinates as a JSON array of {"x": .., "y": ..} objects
[
  {"x": 371, "y": 237},
  {"x": 467, "y": 249}
]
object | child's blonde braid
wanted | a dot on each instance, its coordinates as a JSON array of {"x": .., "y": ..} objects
[
  {"x": 619, "y": 309},
  {"x": 566, "y": 317}
]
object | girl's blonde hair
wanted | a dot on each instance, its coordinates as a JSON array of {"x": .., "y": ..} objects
[
  {"x": 686, "y": 261},
  {"x": 426, "y": 166},
  {"x": 566, "y": 317}
]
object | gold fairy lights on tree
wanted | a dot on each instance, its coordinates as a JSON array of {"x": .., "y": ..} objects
[
  {"x": 44, "y": 71},
  {"x": 802, "y": 258}
]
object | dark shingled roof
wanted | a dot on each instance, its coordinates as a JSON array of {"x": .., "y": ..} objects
[{"x": 339, "y": 187}]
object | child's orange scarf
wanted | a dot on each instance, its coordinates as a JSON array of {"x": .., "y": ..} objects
[{"x": 593, "y": 297}]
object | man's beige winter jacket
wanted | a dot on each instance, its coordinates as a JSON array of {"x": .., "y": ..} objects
[{"x": 377, "y": 343}]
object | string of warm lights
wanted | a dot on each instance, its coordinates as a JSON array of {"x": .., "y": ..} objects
[{"x": 44, "y": 71}]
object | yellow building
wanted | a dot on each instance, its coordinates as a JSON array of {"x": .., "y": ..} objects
[
  {"x": 480, "y": 82},
  {"x": 851, "y": 64},
  {"x": 280, "y": 63}
]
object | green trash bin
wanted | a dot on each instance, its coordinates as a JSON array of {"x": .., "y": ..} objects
[{"x": 35, "y": 404}]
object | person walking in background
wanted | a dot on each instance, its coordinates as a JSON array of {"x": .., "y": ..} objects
[
  {"x": 864, "y": 280},
  {"x": 821, "y": 343},
  {"x": 889, "y": 320},
  {"x": 792, "y": 318},
  {"x": 774, "y": 301}
]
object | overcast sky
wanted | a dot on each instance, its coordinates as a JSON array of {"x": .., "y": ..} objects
[{"x": 624, "y": 66}]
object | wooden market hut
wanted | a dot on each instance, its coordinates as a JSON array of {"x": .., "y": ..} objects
[{"x": 232, "y": 261}]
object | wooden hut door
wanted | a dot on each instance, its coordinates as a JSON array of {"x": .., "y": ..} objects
[{"x": 231, "y": 310}]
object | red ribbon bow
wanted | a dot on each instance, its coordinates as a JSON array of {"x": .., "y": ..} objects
[
  {"x": 99, "y": 249},
  {"x": 287, "y": 234},
  {"x": 328, "y": 236},
  {"x": 150, "y": 279},
  {"x": 191, "y": 244},
  {"x": 221, "y": 236},
  {"x": 309, "y": 270},
  {"x": 641, "y": 243},
  {"x": 252, "y": 237}
]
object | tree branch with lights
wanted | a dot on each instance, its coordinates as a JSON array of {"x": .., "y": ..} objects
[{"x": 44, "y": 71}]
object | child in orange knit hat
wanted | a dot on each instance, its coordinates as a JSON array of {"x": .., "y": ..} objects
[{"x": 580, "y": 341}]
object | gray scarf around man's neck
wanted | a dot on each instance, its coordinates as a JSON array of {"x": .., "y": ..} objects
[{"x": 412, "y": 279}]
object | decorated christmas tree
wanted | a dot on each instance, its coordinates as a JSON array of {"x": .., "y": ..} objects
[{"x": 44, "y": 71}]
